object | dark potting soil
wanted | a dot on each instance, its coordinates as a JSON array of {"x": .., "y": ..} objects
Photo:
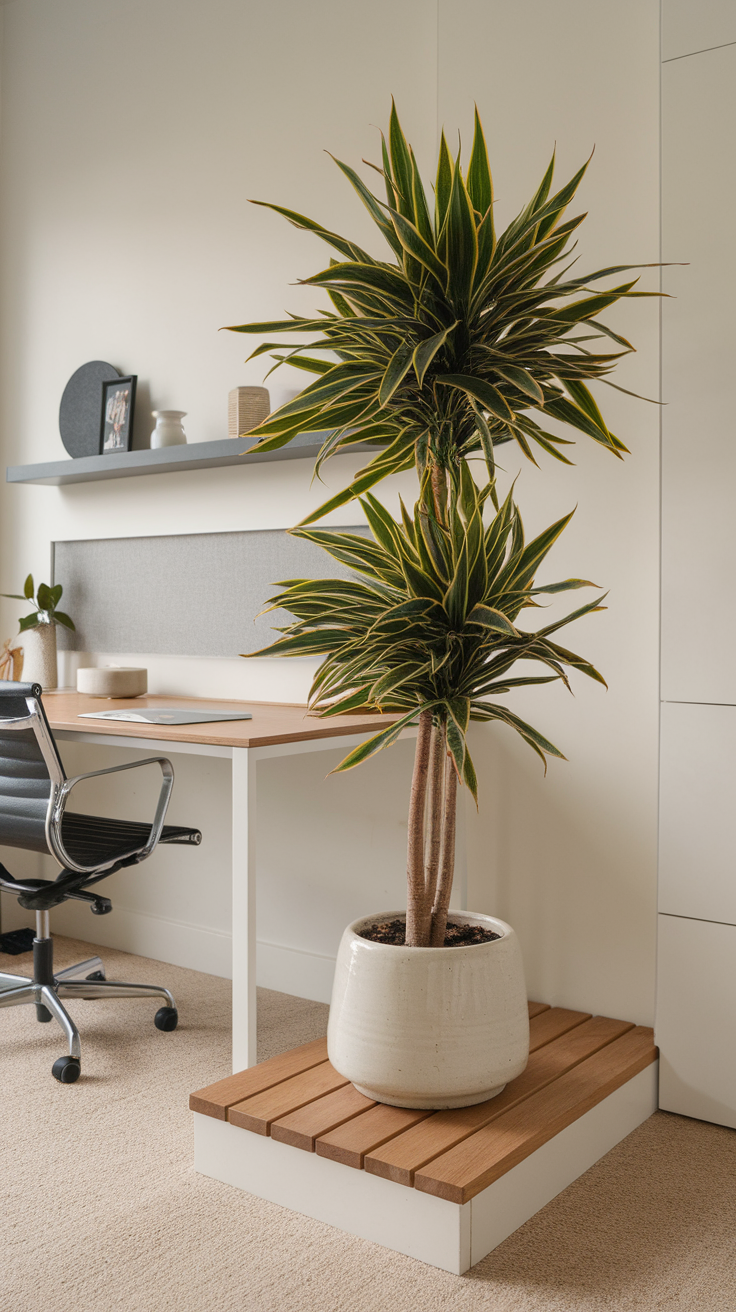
[{"x": 456, "y": 936}]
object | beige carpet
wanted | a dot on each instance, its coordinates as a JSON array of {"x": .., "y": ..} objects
[{"x": 102, "y": 1210}]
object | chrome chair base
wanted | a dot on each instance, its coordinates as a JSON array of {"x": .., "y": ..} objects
[{"x": 86, "y": 980}]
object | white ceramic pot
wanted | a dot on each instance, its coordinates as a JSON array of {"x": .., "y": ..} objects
[
  {"x": 39, "y": 656},
  {"x": 169, "y": 430},
  {"x": 429, "y": 1027}
]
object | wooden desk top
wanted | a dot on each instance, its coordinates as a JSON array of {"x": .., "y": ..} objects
[{"x": 273, "y": 722}]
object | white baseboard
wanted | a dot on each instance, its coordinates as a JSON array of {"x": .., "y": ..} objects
[
  {"x": 172, "y": 941},
  {"x": 292, "y": 970},
  {"x": 289, "y": 970}
]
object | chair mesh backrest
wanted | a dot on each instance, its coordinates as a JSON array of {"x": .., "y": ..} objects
[{"x": 25, "y": 786}]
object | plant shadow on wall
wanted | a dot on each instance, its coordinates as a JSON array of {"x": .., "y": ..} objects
[
  {"x": 550, "y": 866},
  {"x": 457, "y": 345}
]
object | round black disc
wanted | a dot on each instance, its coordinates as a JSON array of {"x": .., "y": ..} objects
[{"x": 80, "y": 412}]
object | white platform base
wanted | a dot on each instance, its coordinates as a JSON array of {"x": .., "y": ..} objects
[{"x": 443, "y": 1234}]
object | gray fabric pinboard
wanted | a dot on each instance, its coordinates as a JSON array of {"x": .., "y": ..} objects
[{"x": 196, "y": 594}]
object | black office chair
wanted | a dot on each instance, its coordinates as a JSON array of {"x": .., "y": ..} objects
[{"x": 33, "y": 795}]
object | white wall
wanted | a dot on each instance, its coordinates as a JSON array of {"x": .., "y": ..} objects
[
  {"x": 570, "y": 859},
  {"x": 133, "y": 134}
]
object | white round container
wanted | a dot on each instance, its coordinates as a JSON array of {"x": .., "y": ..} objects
[
  {"x": 429, "y": 1027},
  {"x": 169, "y": 430},
  {"x": 112, "y": 681}
]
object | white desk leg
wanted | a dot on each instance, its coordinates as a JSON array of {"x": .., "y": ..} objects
[{"x": 244, "y": 908}]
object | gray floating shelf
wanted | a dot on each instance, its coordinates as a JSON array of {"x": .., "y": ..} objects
[{"x": 166, "y": 460}]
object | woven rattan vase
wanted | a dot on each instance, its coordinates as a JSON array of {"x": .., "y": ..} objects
[{"x": 247, "y": 407}]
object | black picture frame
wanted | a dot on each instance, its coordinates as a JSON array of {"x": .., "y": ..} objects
[{"x": 116, "y": 415}]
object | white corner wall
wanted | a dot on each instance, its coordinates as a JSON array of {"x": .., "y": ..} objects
[
  {"x": 570, "y": 859},
  {"x": 133, "y": 134}
]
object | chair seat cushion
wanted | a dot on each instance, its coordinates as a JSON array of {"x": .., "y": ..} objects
[{"x": 93, "y": 840}]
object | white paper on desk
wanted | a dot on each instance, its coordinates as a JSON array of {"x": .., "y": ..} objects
[{"x": 162, "y": 715}]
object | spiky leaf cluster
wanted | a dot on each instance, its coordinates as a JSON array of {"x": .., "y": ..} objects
[
  {"x": 432, "y": 621},
  {"x": 462, "y": 341}
]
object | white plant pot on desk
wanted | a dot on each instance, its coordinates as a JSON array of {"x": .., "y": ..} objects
[
  {"x": 429, "y": 1027},
  {"x": 39, "y": 656}
]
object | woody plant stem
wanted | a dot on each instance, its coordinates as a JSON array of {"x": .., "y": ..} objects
[{"x": 431, "y": 846}]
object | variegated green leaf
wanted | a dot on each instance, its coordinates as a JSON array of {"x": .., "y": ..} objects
[{"x": 491, "y": 319}]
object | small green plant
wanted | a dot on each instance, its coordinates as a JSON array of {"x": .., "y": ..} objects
[
  {"x": 429, "y": 631},
  {"x": 47, "y": 600}
]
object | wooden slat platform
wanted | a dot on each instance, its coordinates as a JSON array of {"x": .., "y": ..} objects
[
  {"x": 217, "y": 1098},
  {"x": 299, "y": 1099}
]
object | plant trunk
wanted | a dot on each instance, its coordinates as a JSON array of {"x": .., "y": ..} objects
[
  {"x": 416, "y": 918},
  {"x": 439, "y": 493},
  {"x": 433, "y": 826},
  {"x": 431, "y": 851},
  {"x": 447, "y": 862}
]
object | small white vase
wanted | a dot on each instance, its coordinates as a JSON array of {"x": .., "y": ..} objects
[
  {"x": 429, "y": 1027},
  {"x": 39, "y": 656},
  {"x": 168, "y": 430}
]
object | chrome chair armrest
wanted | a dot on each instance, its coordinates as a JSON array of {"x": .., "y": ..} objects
[{"x": 64, "y": 791}]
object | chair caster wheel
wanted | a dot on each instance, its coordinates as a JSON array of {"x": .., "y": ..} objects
[
  {"x": 66, "y": 1070},
  {"x": 96, "y": 974},
  {"x": 166, "y": 1018}
]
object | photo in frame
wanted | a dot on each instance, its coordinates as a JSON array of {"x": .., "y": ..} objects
[{"x": 118, "y": 405}]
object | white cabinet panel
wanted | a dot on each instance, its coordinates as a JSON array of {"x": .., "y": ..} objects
[
  {"x": 687, "y": 26},
  {"x": 699, "y": 385},
  {"x": 696, "y": 1016},
  {"x": 697, "y": 847}
]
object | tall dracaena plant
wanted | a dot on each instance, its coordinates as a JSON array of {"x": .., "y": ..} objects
[
  {"x": 429, "y": 630},
  {"x": 465, "y": 339}
]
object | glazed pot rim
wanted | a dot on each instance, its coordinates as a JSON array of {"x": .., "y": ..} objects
[{"x": 473, "y": 917}]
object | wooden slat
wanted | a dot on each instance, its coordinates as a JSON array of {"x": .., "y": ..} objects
[
  {"x": 302, "y": 1127},
  {"x": 552, "y": 1023},
  {"x": 461, "y": 1173},
  {"x": 350, "y": 1142},
  {"x": 398, "y": 1159},
  {"x": 536, "y": 1007},
  {"x": 257, "y": 1113},
  {"x": 215, "y": 1099}
]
